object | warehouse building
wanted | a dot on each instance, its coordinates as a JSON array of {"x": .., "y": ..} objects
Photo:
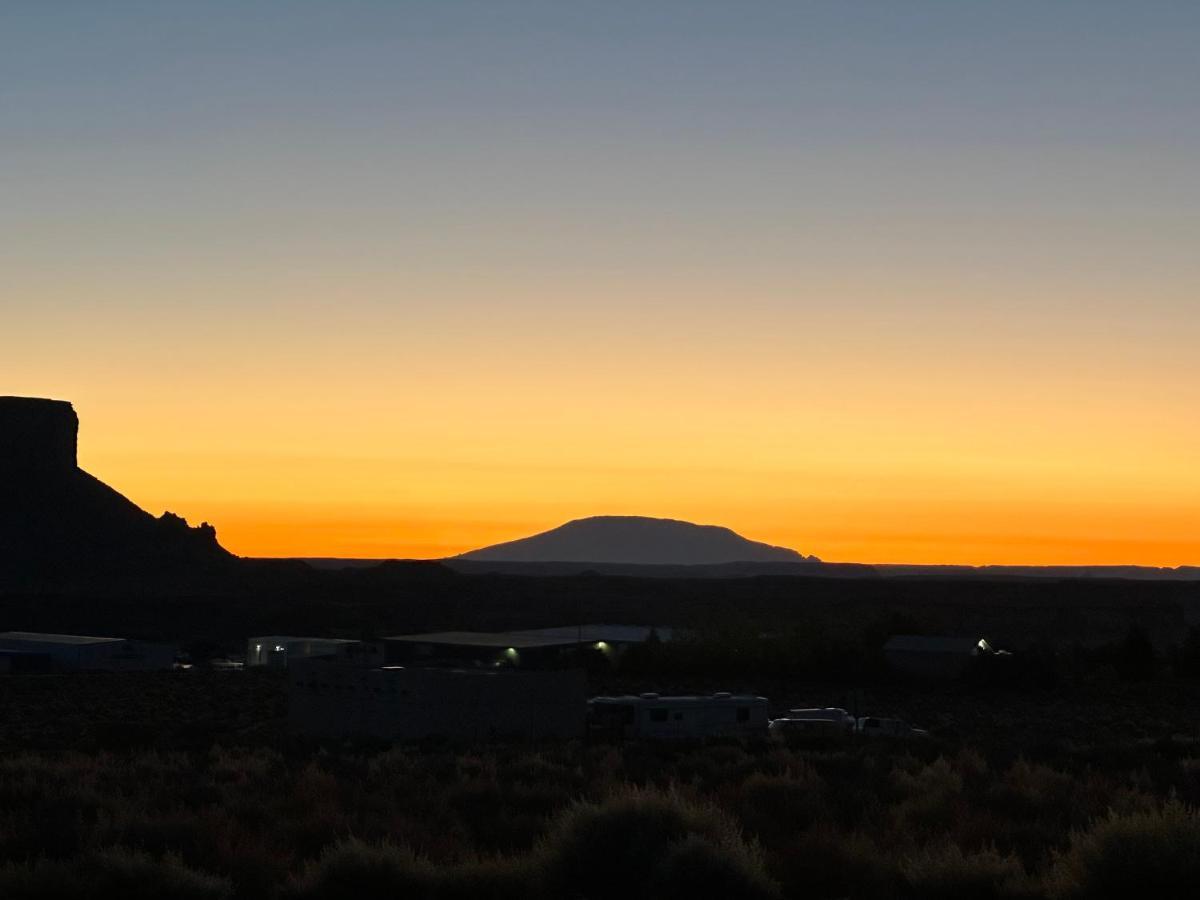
[
  {"x": 75, "y": 652},
  {"x": 330, "y": 698},
  {"x": 280, "y": 650},
  {"x": 526, "y": 648},
  {"x": 926, "y": 656}
]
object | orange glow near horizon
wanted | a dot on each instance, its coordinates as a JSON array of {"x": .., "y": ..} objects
[
  {"x": 837, "y": 437},
  {"x": 861, "y": 477},
  {"x": 418, "y": 278}
]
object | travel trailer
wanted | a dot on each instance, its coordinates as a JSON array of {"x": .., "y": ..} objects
[{"x": 657, "y": 717}]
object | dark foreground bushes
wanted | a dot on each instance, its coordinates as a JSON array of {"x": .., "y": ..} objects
[
  {"x": 115, "y": 872},
  {"x": 1155, "y": 853},
  {"x": 859, "y": 820},
  {"x": 639, "y": 844}
]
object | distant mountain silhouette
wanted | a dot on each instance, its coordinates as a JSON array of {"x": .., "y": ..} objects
[
  {"x": 636, "y": 539},
  {"x": 58, "y": 522},
  {"x": 691, "y": 572}
]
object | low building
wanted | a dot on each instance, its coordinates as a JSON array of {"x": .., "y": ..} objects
[
  {"x": 25, "y": 662},
  {"x": 614, "y": 635},
  {"x": 656, "y": 717},
  {"x": 331, "y": 698},
  {"x": 280, "y": 650},
  {"x": 76, "y": 652},
  {"x": 527, "y": 648},
  {"x": 927, "y": 656}
]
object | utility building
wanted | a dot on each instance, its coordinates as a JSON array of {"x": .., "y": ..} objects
[
  {"x": 934, "y": 657},
  {"x": 331, "y": 698},
  {"x": 280, "y": 650},
  {"x": 526, "y": 648},
  {"x": 75, "y": 652}
]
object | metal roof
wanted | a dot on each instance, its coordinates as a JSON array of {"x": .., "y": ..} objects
[
  {"x": 501, "y": 640},
  {"x": 682, "y": 700},
  {"x": 613, "y": 634},
  {"x": 559, "y": 636},
  {"x": 39, "y": 637}
]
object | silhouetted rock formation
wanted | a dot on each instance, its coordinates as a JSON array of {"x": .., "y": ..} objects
[
  {"x": 636, "y": 539},
  {"x": 57, "y": 522},
  {"x": 37, "y": 436}
]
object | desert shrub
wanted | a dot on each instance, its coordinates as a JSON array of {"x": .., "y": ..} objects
[
  {"x": 714, "y": 763},
  {"x": 1029, "y": 789},
  {"x": 823, "y": 863},
  {"x": 972, "y": 766},
  {"x": 702, "y": 867},
  {"x": 1144, "y": 854},
  {"x": 931, "y": 798},
  {"x": 501, "y": 818},
  {"x": 115, "y": 872},
  {"x": 775, "y": 807},
  {"x": 499, "y": 878},
  {"x": 355, "y": 870},
  {"x": 944, "y": 872},
  {"x": 639, "y": 844}
]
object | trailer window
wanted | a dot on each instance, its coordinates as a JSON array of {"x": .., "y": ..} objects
[
  {"x": 658, "y": 715},
  {"x": 743, "y": 714}
]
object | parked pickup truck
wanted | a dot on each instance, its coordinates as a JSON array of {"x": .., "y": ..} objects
[
  {"x": 826, "y": 721},
  {"x": 873, "y": 726}
]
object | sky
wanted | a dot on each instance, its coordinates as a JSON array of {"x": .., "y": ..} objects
[{"x": 880, "y": 281}]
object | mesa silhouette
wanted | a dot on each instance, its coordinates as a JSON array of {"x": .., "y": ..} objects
[
  {"x": 637, "y": 540},
  {"x": 59, "y": 522}
]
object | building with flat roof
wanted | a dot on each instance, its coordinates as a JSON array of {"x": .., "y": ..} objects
[
  {"x": 331, "y": 698},
  {"x": 530, "y": 648},
  {"x": 280, "y": 650},
  {"x": 930, "y": 656},
  {"x": 78, "y": 652},
  {"x": 611, "y": 634}
]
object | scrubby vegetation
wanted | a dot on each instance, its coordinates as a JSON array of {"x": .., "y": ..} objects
[
  {"x": 1070, "y": 770},
  {"x": 741, "y": 819}
]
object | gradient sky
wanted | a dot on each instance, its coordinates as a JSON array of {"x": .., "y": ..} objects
[{"x": 886, "y": 282}]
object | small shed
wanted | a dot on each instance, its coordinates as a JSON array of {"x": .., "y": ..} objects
[{"x": 929, "y": 656}]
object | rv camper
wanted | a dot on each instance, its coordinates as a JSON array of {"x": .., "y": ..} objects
[{"x": 656, "y": 717}]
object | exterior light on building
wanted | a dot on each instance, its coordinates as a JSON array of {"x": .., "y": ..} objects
[
  {"x": 602, "y": 646},
  {"x": 511, "y": 654}
]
